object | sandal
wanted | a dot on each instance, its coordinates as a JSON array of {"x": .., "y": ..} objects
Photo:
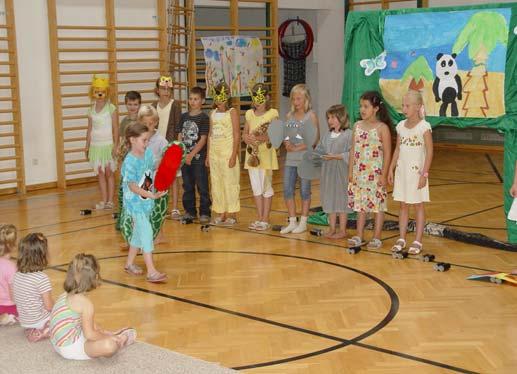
[
  {"x": 229, "y": 222},
  {"x": 109, "y": 205},
  {"x": 374, "y": 244},
  {"x": 156, "y": 277},
  {"x": 100, "y": 205},
  {"x": 130, "y": 333},
  {"x": 355, "y": 241},
  {"x": 415, "y": 248},
  {"x": 399, "y": 245},
  {"x": 133, "y": 269}
]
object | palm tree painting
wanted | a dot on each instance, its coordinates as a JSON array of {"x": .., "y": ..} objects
[
  {"x": 481, "y": 34},
  {"x": 475, "y": 43},
  {"x": 419, "y": 71}
]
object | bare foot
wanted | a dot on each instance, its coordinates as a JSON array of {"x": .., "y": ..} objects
[
  {"x": 159, "y": 240},
  {"x": 329, "y": 234},
  {"x": 339, "y": 235}
]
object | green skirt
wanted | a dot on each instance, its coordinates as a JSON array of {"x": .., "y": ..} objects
[{"x": 158, "y": 215}]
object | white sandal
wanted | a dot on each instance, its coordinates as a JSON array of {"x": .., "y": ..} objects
[
  {"x": 397, "y": 247},
  {"x": 355, "y": 241},
  {"x": 374, "y": 244},
  {"x": 415, "y": 248}
]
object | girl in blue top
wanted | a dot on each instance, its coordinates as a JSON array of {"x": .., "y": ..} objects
[{"x": 137, "y": 185}]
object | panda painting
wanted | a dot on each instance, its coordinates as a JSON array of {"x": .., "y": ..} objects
[{"x": 447, "y": 84}]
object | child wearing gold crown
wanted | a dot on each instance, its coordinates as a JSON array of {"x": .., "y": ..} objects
[
  {"x": 169, "y": 112},
  {"x": 102, "y": 139},
  {"x": 261, "y": 157},
  {"x": 223, "y": 145}
]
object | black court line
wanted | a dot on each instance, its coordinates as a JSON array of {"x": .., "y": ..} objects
[
  {"x": 494, "y": 168},
  {"x": 472, "y": 214},
  {"x": 65, "y": 222},
  {"x": 389, "y": 254},
  {"x": 343, "y": 342},
  {"x": 456, "y": 225},
  {"x": 79, "y": 230},
  {"x": 290, "y": 238}
]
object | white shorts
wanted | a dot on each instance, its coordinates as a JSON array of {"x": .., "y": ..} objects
[
  {"x": 74, "y": 351},
  {"x": 261, "y": 182}
]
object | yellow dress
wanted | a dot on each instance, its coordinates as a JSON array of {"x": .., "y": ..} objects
[
  {"x": 224, "y": 181},
  {"x": 267, "y": 156}
]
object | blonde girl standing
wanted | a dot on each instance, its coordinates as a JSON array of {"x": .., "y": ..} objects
[
  {"x": 300, "y": 115},
  {"x": 411, "y": 162}
]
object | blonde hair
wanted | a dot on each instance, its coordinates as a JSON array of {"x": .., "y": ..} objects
[
  {"x": 339, "y": 111},
  {"x": 416, "y": 96},
  {"x": 83, "y": 274},
  {"x": 32, "y": 253},
  {"x": 303, "y": 89},
  {"x": 147, "y": 111},
  {"x": 8, "y": 236}
]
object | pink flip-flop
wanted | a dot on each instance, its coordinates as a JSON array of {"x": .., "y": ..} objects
[
  {"x": 157, "y": 277},
  {"x": 130, "y": 333}
]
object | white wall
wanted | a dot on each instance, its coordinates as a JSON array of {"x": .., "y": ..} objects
[{"x": 35, "y": 90}]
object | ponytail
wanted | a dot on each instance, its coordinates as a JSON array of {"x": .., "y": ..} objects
[{"x": 375, "y": 99}]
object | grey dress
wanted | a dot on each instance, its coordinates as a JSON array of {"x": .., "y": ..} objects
[{"x": 334, "y": 173}]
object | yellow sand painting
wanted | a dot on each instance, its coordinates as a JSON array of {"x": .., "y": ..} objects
[{"x": 393, "y": 90}]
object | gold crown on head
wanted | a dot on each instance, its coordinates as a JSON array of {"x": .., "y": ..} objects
[
  {"x": 259, "y": 97},
  {"x": 100, "y": 82},
  {"x": 221, "y": 96},
  {"x": 165, "y": 81}
]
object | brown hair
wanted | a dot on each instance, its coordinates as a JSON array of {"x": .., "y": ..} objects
[
  {"x": 133, "y": 95},
  {"x": 376, "y": 100},
  {"x": 218, "y": 88},
  {"x": 8, "y": 236},
  {"x": 83, "y": 274},
  {"x": 134, "y": 130},
  {"x": 157, "y": 87},
  {"x": 32, "y": 253},
  {"x": 266, "y": 94},
  {"x": 339, "y": 111},
  {"x": 198, "y": 91}
]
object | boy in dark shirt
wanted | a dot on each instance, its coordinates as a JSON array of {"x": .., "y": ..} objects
[{"x": 192, "y": 130}]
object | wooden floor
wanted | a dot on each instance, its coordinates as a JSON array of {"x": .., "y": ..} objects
[{"x": 267, "y": 303}]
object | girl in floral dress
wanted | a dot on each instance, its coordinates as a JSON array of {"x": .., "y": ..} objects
[{"x": 369, "y": 162}]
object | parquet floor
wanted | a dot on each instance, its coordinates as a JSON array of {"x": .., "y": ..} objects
[{"x": 266, "y": 303}]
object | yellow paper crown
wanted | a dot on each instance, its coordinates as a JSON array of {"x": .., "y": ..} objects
[
  {"x": 166, "y": 81},
  {"x": 221, "y": 96},
  {"x": 99, "y": 82},
  {"x": 259, "y": 97}
]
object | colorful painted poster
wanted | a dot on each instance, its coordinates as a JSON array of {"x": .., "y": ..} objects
[
  {"x": 456, "y": 58},
  {"x": 236, "y": 60}
]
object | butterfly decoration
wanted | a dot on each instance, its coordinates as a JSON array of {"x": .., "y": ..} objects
[{"x": 376, "y": 63}]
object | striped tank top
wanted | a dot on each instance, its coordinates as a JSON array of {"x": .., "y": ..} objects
[{"x": 65, "y": 324}]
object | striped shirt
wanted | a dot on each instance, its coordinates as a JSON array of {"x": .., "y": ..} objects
[
  {"x": 27, "y": 290},
  {"x": 65, "y": 324}
]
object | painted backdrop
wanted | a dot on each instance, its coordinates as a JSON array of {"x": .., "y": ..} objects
[
  {"x": 463, "y": 59},
  {"x": 236, "y": 60}
]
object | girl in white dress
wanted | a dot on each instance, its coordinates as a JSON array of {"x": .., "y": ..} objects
[{"x": 410, "y": 164}]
